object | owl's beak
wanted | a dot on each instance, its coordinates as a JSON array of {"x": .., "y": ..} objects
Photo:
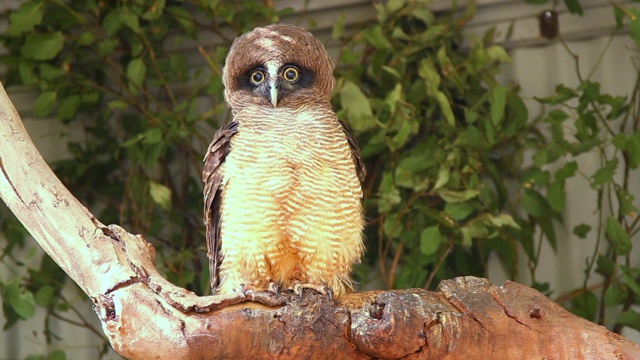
[{"x": 273, "y": 94}]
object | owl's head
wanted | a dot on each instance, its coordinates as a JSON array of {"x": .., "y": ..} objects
[{"x": 277, "y": 66}]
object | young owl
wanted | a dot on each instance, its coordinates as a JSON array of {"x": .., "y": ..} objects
[{"x": 282, "y": 180}]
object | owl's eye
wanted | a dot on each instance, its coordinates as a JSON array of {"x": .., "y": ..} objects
[
  {"x": 291, "y": 73},
  {"x": 257, "y": 77}
]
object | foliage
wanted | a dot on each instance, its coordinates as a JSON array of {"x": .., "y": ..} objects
[
  {"x": 585, "y": 120},
  {"x": 444, "y": 142}
]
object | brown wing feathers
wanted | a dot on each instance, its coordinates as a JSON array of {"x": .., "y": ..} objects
[
  {"x": 212, "y": 178},
  {"x": 355, "y": 152}
]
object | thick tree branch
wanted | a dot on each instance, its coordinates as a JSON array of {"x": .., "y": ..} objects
[{"x": 144, "y": 316}]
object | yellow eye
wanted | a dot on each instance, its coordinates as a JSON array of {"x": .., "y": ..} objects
[
  {"x": 257, "y": 77},
  {"x": 291, "y": 73}
]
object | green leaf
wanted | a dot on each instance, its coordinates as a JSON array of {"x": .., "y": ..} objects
[
  {"x": 428, "y": 72},
  {"x": 606, "y": 266},
  {"x": 86, "y": 38},
  {"x": 26, "y": 70},
  {"x": 604, "y": 174},
  {"x": 574, "y": 7},
  {"x": 42, "y": 46},
  {"x": 458, "y": 211},
  {"x": 395, "y": 5},
  {"x": 182, "y": 16},
  {"x": 498, "y": 54},
  {"x": 118, "y": 104},
  {"x": 629, "y": 318},
  {"x": 68, "y": 107},
  {"x": 389, "y": 193},
  {"x": 457, "y": 196},
  {"x": 498, "y": 104},
  {"x": 585, "y": 305},
  {"x": 630, "y": 144},
  {"x": 25, "y": 18},
  {"x": 152, "y": 136},
  {"x": 618, "y": 236},
  {"x": 45, "y": 103},
  {"x": 136, "y": 72},
  {"x": 614, "y": 295},
  {"x": 619, "y": 15},
  {"x": 49, "y": 72},
  {"x": 443, "y": 176},
  {"x": 401, "y": 137},
  {"x": 563, "y": 93},
  {"x": 581, "y": 230},
  {"x": 625, "y": 199},
  {"x": 114, "y": 20},
  {"x": 376, "y": 37},
  {"x": 338, "y": 28},
  {"x": 21, "y": 301},
  {"x": 476, "y": 228},
  {"x": 548, "y": 228},
  {"x": 535, "y": 176},
  {"x": 423, "y": 14},
  {"x": 535, "y": 204},
  {"x": 567, "y": 171},
  {"x": 160, "y": 194},
  {"x": 556, "y": 196},
  {"x": 57, "y": 355},
  {"x": 155, "y": 11},
  {"x": 359, "y": 113},
  {"x": 501, "y": 220},
  {"x": 631, "y": 282},
  {"x": 111, "y": 23},
  {"x": 445, "y": 106},
  {"x": 634, "y": 24},
  {"x": 430, "y": 240},
  {"x": 129, "y": 19},
  {"x": 393, "y": 227},
  {"x": 44, "y": 295}
]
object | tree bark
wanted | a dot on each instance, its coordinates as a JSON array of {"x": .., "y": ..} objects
[{"x": 146, "y": 317}]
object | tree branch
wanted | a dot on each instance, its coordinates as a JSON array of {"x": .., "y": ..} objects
[{"x": 144, "y": 316}]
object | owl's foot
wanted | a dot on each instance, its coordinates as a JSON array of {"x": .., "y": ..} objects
[{"x": 322, "y": 289}]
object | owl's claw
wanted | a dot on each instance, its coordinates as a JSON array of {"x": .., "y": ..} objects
[
  {"x": 298, "y": 290},
  {"x": 322, "y": 289},
  {"x": 273, "y": 287},
  {"x": 249, "y": 292},
  {"x": 329, "y": 292}
]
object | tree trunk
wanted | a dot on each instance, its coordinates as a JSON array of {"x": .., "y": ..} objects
[{"x": 146, "y": 317}]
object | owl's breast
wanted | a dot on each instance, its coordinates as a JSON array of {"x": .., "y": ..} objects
[{"x": 294, "y": 158}]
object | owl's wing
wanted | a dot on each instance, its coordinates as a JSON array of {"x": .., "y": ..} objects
[
  {"x": 355, "y": 152},
  {"x": 212, "y": 177}
]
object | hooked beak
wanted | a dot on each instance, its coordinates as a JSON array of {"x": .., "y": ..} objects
[{"x": 273, "y": 93}]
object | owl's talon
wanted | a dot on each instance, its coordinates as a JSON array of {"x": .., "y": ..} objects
[
  {"x": 328, "y": 292},
  {"x": 250, "y": 292},
  {"x": 273, "y": 287},
  {"x": 298, "y": 289}
]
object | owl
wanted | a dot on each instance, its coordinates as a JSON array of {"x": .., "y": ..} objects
[{"x": 282, "y": 180}]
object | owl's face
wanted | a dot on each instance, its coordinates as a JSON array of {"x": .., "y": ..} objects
[{"x": 277, "y": 66}]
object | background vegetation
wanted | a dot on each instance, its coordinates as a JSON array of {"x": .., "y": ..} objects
[{"x": 457, "y": 167}]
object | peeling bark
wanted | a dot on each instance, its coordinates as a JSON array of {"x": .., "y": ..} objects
[{"x": 146, "y": 317}]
